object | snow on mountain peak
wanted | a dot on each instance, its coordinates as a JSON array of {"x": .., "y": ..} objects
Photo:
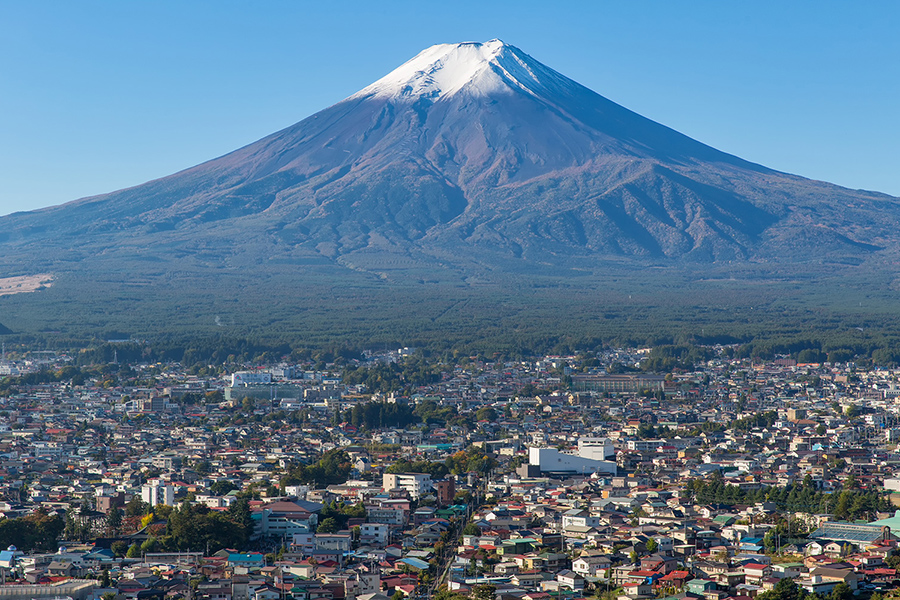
[{"x": 445, "y": 69}]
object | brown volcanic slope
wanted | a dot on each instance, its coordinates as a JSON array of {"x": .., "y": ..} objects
[{"x": 469, "y": 161}]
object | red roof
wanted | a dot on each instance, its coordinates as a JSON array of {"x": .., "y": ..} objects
[
  {"x": 881, "y": 571},
  {"x": 676, "y": 575}
]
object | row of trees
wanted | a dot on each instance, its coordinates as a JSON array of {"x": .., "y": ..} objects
[
  {"x": 391, "y": 377},
  {"x": 35, "y": 532},
  {"x": 334, "y": 516},
  {"x": 761, "y": 420},
  {"x": 331, "y": 469},
  {"x": 197, "y": 527},
  {"x": 374, "y": 415},
  {"x": 458, "y": 463},
  {"x": 847, "y": 504}
]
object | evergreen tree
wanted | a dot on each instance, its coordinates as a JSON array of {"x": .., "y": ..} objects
[{"x": 114, "y": 520}]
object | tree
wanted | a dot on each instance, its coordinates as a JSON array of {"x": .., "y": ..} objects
[
  {"x": 149, "y": 545},
  {"x": 484, "y": 592},
  {"x": 114, "y": 520},
  {"x": 136, "y": 507},
  {"x": 651, "y": 545},
  {"x": 220, "y": 488},
  {"x": 785, "y": 589},
  {"x": 770, "y": 540},
  {"x": 134, "y": 551},
  {"x": 486, "y": 413},
  {"x": 329, "y": 525},
  {"x": 37, "y": 531},
  {"x": 842, "y": 511},
  {"x": 841, "y": 591},
  {"x": 119, "y": 548}
]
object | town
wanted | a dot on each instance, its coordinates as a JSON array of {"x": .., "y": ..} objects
[{"x": 619, "y": 474}]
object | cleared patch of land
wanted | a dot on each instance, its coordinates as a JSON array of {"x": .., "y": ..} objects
[{"x": 24, "y": 284}]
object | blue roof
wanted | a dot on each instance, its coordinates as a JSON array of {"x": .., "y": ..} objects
[
  {"x": 255, "y": 557},
  {"x": 754, "y": 541},
  {"x": 414, "y": 562}
]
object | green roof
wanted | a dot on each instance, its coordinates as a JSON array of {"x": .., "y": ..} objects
[{"x": 892, "y": 522}]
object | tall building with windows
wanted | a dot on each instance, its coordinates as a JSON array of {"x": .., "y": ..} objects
[{"x": 154, "y": 493}]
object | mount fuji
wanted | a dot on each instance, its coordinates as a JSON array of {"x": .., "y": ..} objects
[{"x": 471, "y": 162}]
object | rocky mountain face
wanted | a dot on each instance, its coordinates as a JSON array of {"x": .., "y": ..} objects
[{"x": 469, "y": 160}]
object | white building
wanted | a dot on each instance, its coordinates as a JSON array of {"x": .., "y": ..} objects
[
  {"x": 333, "y": 541},
  {"x": 250, "y": 378},
  {"x": 157, "y": 493},
  {"x": 551, "y": 460},
  {"x": 591, "y": 566},
  {"x": 373, "y": 533},
  {"x": 415, "y": 484},
  {"x": 596, "y": 448},
  {"x": 579, "y": 518}
]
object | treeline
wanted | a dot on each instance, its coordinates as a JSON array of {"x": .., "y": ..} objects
[
  {"x": 395, "y": 376},
  {"x": 331, "y": 469},
  {"x": 761, "y": 420},
  {"x": 334, "y": 516},
  {"x": 508, "y": 321},
  {"x": 36, "y": 532},
  {"x": 374, "y": 415},
  {"x": 214, "y": 350},
  {"x": 192, "y": 527},
  {"x": 666, "y": 358},
  {"x": 848, "y": 504},
  {"x": 472, "y": 459}
]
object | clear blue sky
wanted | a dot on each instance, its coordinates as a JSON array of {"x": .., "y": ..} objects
[{"x": 97, "y": 96}]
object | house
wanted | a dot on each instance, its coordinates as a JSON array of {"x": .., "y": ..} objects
[
  {"x": 634, "y": 589},
  {"x": 253, "y": 560},
  {"x": 374, "y": 533},
  {"x": 847, "y": 576},
  {"x": 700, "y": 587},
  {"x": 284, "y": 519},
  {"x": 570, "y": 579},
  {"x": 755, "y": 572},
  {"x": 674, "y": 579},
  {"x": 528, "y": 580},
  {"x": 591, "y": 566},
  {"x": 658, "y": 563}
]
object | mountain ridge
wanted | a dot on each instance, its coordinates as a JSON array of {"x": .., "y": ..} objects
[{"x": 470, "y": 162}]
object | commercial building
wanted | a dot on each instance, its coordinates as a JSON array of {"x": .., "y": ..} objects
[
  {"x": 415, "y": 484},
  {"x": 551, "y": 460}
]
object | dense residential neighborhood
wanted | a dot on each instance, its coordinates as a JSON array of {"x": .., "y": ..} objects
[{"x": 621, "y": 474}]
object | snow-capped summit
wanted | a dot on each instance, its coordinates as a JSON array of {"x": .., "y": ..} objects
[{"x": 477, "y": 68}]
